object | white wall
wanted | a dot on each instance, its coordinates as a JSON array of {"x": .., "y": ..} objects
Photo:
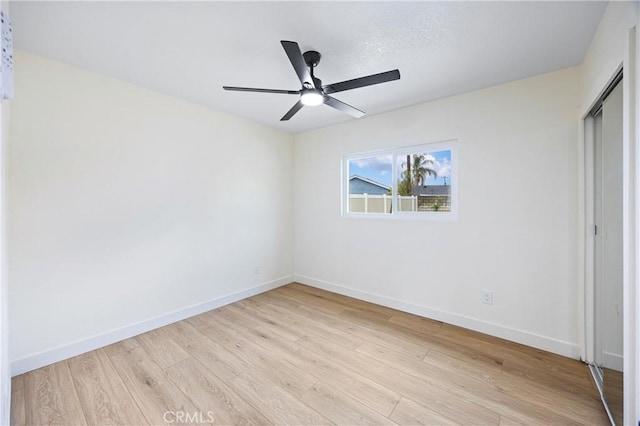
[
  {"x": 128, "y": 207},
  {"x": 516, "y": 232},
  {"x": 5, "y": 367},
  {"x": 613, "y": 47}
]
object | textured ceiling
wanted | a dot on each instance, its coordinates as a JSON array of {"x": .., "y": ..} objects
[{"x": 190, "y": 49}]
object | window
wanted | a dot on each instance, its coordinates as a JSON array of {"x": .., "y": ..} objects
[
  {"x": 409, "y": 182},
  {"x": 370, "y": 184}
]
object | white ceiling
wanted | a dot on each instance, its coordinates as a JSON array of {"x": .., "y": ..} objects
[{"x": 190, "y": 49}]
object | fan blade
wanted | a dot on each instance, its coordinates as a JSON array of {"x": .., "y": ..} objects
[
  {"x": 369, "y": 80},
  {"x": 295, "y": 56},
  {"x": 292, "y": 111},
  {"x": 251, "y": 89},
  {"x": 341, "y": 106}
]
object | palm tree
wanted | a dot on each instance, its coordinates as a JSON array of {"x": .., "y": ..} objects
[
  {"x": 417, "y": 171},
  {"x": 423, "y": 166}
]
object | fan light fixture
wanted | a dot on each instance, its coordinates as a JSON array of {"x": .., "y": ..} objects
[{"x": 311, "y": 97}]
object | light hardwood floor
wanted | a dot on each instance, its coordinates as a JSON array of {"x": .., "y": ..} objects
[
  {"x": 298, "y": 355},
  {"x": 613, "y": 390}
]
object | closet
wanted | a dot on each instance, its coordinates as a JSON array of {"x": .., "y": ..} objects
[{"x": 607, "y": 250}]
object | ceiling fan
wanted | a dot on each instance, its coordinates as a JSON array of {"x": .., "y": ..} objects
[{"x": 313, "y": 92}]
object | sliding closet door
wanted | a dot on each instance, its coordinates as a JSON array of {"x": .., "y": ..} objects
[{"x": 608, "y": 249}]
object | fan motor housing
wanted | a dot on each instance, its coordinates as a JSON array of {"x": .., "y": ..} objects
[{"x": 312, "y": 58}]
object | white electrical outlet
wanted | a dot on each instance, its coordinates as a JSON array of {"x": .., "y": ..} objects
[
  {"x": 256, "y": 270},
  {"x": 487, "y": 297}
]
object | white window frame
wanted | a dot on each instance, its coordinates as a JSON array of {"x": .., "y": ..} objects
[{"x": 442, "y": 145}]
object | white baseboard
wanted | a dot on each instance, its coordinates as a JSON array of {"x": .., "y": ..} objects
[
  {"x": 63, "y": 352},
  {"x": 612, "y": 361},
  {"x": 519, "y": 336}
]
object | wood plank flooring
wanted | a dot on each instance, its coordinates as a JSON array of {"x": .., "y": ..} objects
[
  {"x": 613, "y": 391},
  {"x": 302, "y": 356}
]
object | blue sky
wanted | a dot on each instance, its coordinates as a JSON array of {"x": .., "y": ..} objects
[{"x": 379, "y": 168}]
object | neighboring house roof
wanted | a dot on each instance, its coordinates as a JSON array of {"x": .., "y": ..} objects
[
  {"x": 431, "y": 190},
  {"x": 372, "y": 182},
  {"x": 366, "y": 185}
]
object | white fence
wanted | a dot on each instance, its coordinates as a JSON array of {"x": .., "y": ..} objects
[{"x": 366, "y": 203}]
